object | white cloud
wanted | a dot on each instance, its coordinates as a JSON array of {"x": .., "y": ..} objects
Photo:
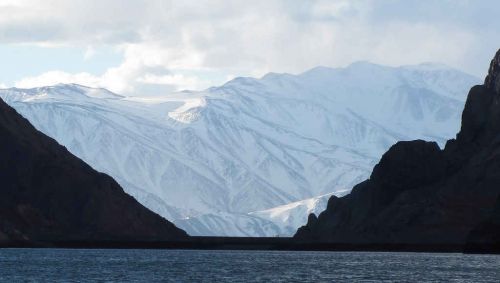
[
  {"x": 252, "y": 37},
  {"x": 135, "y": 76},
  {"x": 56, "y": 77}
]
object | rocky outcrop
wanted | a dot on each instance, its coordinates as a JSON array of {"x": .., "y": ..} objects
[
  {"x": 49, "y": 195},
  {"x": 492, "y": 81},
  {"x": 420, "y": 194}
]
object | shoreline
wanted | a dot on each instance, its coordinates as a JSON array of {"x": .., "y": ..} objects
[{"x": 263, "y": 244}]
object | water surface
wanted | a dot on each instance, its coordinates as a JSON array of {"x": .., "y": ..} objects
[{"x": 67, "y": 265}]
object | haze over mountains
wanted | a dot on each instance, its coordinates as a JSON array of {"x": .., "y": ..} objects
[{"x": 255, "y": 156}]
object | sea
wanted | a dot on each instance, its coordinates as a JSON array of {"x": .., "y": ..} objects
[{"x": 122, "y": 265}]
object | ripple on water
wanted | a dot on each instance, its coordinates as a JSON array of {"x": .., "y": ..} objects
[{"x": 241, "y": 266}]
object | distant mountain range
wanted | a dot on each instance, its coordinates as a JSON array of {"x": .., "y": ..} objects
[
  {"x": 421, "y": 194},
  {"x": 255, "y": 156},
  {"x": 49, "y": 196}
]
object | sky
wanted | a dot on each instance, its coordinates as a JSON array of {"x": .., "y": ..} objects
[{"x": 157, "y": 47}]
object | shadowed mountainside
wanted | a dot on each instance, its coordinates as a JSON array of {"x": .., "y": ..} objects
[
  {"x": 420, "y": 194},
  {"x": 49, "y": 195}
]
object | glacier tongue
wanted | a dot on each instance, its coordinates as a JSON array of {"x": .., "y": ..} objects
[{"x": 252, "y": 157}]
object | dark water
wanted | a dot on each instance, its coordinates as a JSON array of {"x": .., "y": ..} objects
[{"x": 60, "y": 265}]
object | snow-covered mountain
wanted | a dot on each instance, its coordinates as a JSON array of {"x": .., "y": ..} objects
[{"x": 254, "y": 156}]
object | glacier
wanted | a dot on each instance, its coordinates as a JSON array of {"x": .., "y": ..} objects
[{"x": 252, "y": 157}]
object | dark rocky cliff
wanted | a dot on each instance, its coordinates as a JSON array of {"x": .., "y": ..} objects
[
  {"x": 49, "y": 195},
  {"x": 420, "y": 194},
  {"x": 485, "y": 237}
]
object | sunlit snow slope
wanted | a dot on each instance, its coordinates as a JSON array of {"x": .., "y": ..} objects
[{"x": 254, "y": 156}]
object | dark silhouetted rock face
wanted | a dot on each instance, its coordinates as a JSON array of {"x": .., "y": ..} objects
[
  {"x": 419, "y": 194},
  {"x": 485, "y": 237},
  {"x": 492, "y": 81},
  {"x": 47, "y": 194}
]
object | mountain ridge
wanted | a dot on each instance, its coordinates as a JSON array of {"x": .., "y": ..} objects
[
  {"x": 212, "y": 160},
  {"x": 49, "y": 195},
  {"x": 421, "y": 194}
]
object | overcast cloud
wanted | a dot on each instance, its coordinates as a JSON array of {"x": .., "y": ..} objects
[{"x": 172, "y": 45}]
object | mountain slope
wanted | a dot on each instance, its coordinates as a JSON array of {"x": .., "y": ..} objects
[
  {"x": 211, "y": 161},
  {"x": 420, "y": 194},
  {"x": 50, "y": 195},
  {"x": 290, "y": 216}
]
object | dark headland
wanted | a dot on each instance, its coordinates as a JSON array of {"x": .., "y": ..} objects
[
  {"x": 48, "y": 195},
  {"x": 419, "y": 194},
  {"x": 418, "y": 198}
]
